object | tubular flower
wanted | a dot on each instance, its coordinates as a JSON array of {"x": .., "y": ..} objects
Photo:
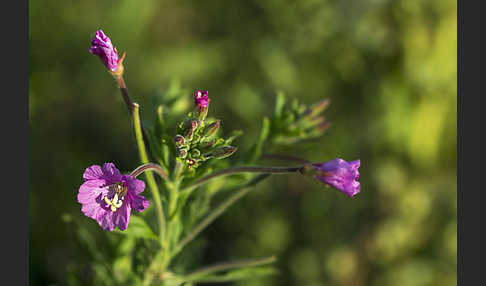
[
  {"x": 201, "y": 98},
  {"x": 109, "y": 197},
  {"x": 338, "y": 174},
  {"x": 101, "y": 46}
]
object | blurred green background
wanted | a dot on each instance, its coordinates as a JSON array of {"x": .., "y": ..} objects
[{"x": 389, "y": 68}]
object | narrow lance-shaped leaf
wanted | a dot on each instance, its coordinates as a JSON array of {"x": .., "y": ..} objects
[{"x": 257, "y": 151}]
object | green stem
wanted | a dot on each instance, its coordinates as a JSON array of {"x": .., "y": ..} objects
[
  {"x": 150, "y": 178},
  {"x": 237, "y": 194},
  {"x": 237, "y": 170},
  {"x": 196, "y": 275},
  {"x": 130, "y": 105},
  {"x": 174, "y": 192}
]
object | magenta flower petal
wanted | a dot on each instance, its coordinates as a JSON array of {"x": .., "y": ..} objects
[
  {"x": 111, "y": 173},
  {"x": 90, "y": 190},
  {"x": 137, "y": 186},
  {"x": 340, "y": 175},
  {"x": 93, "y": 172},
  {"x": 108, "y": 196},
  {"x": 101, "y": 46},
  {"x": 122, "y": 216},
  {"x": 139, "y": 203},
  {"x": 201, "y": 99},
  {"x": 105, "y": 220}
]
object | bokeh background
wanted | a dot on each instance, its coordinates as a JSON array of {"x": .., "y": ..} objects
[{"x": 389, "y": 68}]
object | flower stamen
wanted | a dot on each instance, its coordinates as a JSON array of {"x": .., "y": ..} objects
[{"x": 117, "y": 201}]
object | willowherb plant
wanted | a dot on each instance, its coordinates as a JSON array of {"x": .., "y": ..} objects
[{"x": 189, "y": 159}]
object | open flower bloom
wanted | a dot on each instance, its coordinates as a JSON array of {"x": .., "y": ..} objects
[
  {"x": 201, "y": 98},
  {"x": 339, "y": 174},
  {"x": 101, "y": 46},
  {"x": 109, "y": 197}
]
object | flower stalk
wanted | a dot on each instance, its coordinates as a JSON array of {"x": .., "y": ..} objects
[
  {"x": 150, "y": 167},
  {"x": 124, "y": 92},
  {"x": 150, "y": 178},
  {"x": 237, "y": 170}
]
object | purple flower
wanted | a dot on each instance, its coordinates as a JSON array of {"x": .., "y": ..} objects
[
  {"x": 339, "y": 174},
  {"x": 108, "y": 196},
  {"x": 101, "y": 46},
  {"x": 202, "y": 99}
]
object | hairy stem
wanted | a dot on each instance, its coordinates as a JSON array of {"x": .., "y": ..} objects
[
  {"x": 150, "y": 178},
  {"x": 124, "y": 92},
  {"x": 150, "y": 167}
]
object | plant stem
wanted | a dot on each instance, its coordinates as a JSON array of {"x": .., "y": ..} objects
[
  {"x": 130, "y": 105},
  {"x": 174, "y": 192},
  {"x": 236, "y": 170},
  {"x": 194, "y": 276},
  {"x": 150, "y": 178},
  {"x": 240, "y": 192},
  {"x": 124, "y": 92},
  {"x": 150, "y": 167}
]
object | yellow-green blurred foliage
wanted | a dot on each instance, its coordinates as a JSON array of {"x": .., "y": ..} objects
[{"x": 389, "y": 68}]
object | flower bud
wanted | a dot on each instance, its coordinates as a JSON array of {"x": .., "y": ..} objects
[
  {"x": 221, "y": 152},
  {"x": 179, "y": 140},
  {"x": 201, "y": 99},
  {"x": 207, "y": 144},
  {"x": 212, "y": 128},
  {"x": 101, "y": 46},
  {"x": 318, "y": 108},
  {"x": 181, "y": 153},
  {"x": 189, "y": 128}
]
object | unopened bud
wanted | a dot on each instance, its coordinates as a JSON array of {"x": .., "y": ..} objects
[
  {"x": 207, "y": 144},
  {"x": 318, "y": 107},
  {"x": 181, "y": 153},
  {"x": 179, "y": 140},
  {"x": 189, "y": 128},
  {"x": 221, "y": 152},
  {"x": 317, "y": 121},
  {"x": 212, "y": 128},
  {"x": 201, "y": 100}
]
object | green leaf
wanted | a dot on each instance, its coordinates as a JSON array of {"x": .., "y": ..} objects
[
  {"x": 257, "y": 151},
  {"x": 279, "y": 104},
  {"x": 138, "y": 228}
]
